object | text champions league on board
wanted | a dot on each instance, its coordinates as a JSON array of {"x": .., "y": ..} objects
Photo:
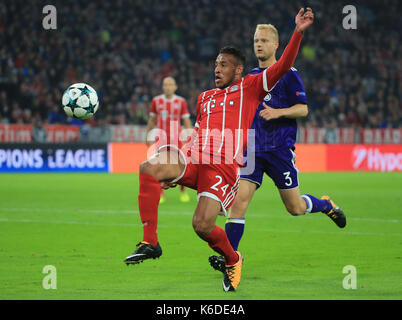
[{"x": 50, "y": 157}]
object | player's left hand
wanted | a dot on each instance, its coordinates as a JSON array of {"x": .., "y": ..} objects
[
  {"x": 304, "y": 20},
  {"x": 270, "y": 113}
]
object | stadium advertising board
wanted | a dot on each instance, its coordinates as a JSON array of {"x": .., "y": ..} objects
[
  {"x": 126, "y": 157},
  {"x": 62, "y": 133},
  {"x": 59, "y": 133},
  {"x": 15, "y": 133},
  {"x": 364, "y": 157},
  {"x": 22, "y": 133},
  {"x": 381, "y": 136},
  {"x": 128, "y": 133},
  {"x": 48, "y": 157},
  {"x": 348, "y": 136}
]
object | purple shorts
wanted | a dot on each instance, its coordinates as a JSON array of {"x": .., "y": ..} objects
[{"x": 279, "y": 165}]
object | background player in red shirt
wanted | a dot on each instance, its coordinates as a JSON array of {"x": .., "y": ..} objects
[
  {"x": 231, "y": 106},
  {"x": 167, "y": 112}
]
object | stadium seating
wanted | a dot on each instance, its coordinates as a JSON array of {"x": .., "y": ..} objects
[{"x": 124, "y": 49}]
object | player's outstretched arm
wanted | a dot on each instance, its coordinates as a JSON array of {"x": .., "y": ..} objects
[{"x": 303, "y": 20}]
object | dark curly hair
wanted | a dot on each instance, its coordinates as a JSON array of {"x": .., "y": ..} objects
[{"x": 240, "y": 57}]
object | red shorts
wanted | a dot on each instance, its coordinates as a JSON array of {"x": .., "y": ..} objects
[{"x": 217, "y": 181}]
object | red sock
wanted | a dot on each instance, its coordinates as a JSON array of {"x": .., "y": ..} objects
[
  {"x": 148, "y": 201},
  {"x": 219, "y": 242}
]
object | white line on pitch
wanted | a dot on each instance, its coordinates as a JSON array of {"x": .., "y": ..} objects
[
  {"x": 125, "y": 211},
  {"x": 188, "y": 227}
]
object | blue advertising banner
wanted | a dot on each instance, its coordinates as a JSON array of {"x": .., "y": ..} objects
[{"x": 50, "y": 157}]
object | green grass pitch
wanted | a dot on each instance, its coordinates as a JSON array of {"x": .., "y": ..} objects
[{"x": 86, "y": 224}]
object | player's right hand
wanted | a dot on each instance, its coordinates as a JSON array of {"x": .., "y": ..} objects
[
  {"x": 304, "y": 20},
  {"x": 270, "y": 113}
]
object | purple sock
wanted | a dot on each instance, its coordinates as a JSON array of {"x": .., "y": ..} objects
[
  {"x": 234, "y": 228},
  {"x": 316, "y": 205}
]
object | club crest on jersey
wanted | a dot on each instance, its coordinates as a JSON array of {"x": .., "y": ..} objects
[
  {"x": 234, "y": 88},
  {"x": 267, "y": 97}
]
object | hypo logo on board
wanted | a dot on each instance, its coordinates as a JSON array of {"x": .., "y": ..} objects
[{"x": 373, "y": 159}]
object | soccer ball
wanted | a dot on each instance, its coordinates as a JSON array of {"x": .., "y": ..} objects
[{"x": 80, "y": 101}]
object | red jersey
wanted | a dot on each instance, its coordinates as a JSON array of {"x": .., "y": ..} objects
[
  {"x": 225, "y": 115},
  {"x": 169, "y": 113}
]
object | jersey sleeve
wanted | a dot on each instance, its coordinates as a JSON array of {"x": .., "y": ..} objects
[
  {"x": 295, "y": 88},
  {"x": 152, "y": 112},
  {"x": 184, "y": 111},
  {"x": 284, "y": 64}
]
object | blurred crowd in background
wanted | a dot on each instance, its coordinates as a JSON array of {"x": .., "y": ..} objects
[{"x": 125, "y": 48}]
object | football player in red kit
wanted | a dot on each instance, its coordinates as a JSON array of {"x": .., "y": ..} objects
[
  {"x": 210, "y": 162},
  {"x": 164, "y": 124}
]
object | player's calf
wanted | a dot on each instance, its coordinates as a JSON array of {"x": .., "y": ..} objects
[
  {"x": 296, "y": 209},
  {"x": 294, "y": 204}
]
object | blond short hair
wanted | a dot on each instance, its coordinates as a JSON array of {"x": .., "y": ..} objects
[{"x": 268, "y": 27}]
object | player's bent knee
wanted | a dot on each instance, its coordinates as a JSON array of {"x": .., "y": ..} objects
[
  {"x": 144, "y": 167},
  {"x": 202, "y": 227},
  {"x": 147, "y": 168},
  {"x": 153, "y": 170}
]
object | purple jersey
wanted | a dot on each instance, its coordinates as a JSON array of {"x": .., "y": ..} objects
[{"x": 279, "y": 133}]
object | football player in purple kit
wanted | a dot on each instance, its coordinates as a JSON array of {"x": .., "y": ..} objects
[{"x": 275, "y": 129}]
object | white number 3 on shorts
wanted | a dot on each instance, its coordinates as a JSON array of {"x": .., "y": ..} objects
[{"x": 287, "y": 179}]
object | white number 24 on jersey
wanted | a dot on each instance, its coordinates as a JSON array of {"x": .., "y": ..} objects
[{"x": 215, "y": 186}]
